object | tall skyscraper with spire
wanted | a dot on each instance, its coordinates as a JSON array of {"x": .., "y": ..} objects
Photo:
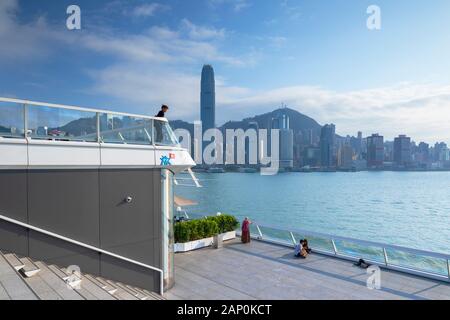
[{"x": 208, "y": 98}]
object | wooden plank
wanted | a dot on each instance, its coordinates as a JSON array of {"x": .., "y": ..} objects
[
  {"x": 57, "y": 284},
  {"x": 30, "y": 269},
  {"x": 13, "y": 283},
  {"x": 89, "y": 290},
  {"x": 3, "y": 294},
  {"x": 14, "y": 261},
  {"x": 122, "y": 293}
]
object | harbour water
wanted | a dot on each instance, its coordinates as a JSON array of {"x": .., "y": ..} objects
[{"x": 409, "y": 209}]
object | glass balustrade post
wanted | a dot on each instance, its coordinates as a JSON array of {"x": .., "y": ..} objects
[
  {"x": 293, "y": 238},
  {"x": 25, "y": 121},
  {"x": 334, "y": 247},
  {"x": 386, "y": 260},
  {"x": 152, "y": 124},
  {"x": 97, "y": 117},
  {"x": 259, "y": 231},
  {"x": 448, "y": 268}
]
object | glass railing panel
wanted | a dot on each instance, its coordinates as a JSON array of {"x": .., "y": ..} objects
[
  {"x": 417, "y": 262},
  {"x": 61, "y": 124},
  {"x": 11, "y": 120},
  {"x": 276, "y": 235},
  {"x": 314, "y": 242},
  {"x": 164, "y": 135},
  {"x": 125, "y": 129},
  {"x": 360, "y": 251}
]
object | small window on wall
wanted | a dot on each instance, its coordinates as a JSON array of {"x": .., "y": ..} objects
[
  {"x": 12, "y": 120},
  {"x": 125, "y": 130}
]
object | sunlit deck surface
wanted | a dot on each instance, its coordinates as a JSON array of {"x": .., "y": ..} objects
[{"x": 265, "y": 271}]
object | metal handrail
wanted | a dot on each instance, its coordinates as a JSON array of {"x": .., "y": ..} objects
[
  {"x": 75, "y": 108},
  {"x": 87, "y": 246},
  {"x": 25, "y": 104},
  {"x": 336, "y": 253}
]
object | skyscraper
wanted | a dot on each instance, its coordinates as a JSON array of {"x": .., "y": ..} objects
[
  {"x": 208, "y": 98},
  {"x": 402, "y": 150},
  {"x": 375, "y": 151},
  {"x": 286, "y": 144},
  {"x": 328, "y": 146}
]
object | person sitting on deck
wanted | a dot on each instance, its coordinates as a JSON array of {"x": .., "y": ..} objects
[
  {"x": 300, "y": 251},
  {"x": 305, "y": 245}
]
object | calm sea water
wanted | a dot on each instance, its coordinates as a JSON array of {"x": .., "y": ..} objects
[{"x": 404, "y": 208}]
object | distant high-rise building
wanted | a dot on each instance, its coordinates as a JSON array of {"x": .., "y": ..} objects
[
  {"x": 345, "y": 157},
  {"x": 423, "y": 154},
  {"x": 402, "y": 150},
  {"x": 208, "y": 98},
  {"x": 440, "y": 150},
  {"x": 286, "y": 145},
  {"x": 327, "y": 146},
  {"x": 375, "y": 151}
]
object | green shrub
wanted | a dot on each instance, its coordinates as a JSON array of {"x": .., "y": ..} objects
[
  {"x": 182, "y": 232},
  {"x": 225, "y": 222},
  {"x": 204, "y": 228}
]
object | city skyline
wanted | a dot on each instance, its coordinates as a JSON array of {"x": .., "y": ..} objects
[{"x": 135, "y": 55}]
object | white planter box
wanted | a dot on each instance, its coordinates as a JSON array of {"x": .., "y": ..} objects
[
  {"x": 229, "y": 235},
  {"x": 202, "y": 243}
]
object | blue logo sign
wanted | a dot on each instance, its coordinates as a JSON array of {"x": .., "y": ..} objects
[{"x": 165, "y": 161}]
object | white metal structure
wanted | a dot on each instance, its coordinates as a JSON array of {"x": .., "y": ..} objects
[{"x": 24, "y": 146}]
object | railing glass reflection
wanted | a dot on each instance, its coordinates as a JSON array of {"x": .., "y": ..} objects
[
  {"x": 65, "y": 123},
  {"x": 12, "y": 120},
  {"x": 125, "y": 129},
  {"x": 61, "y": 124},
  {"x": 409, "y": 260}
]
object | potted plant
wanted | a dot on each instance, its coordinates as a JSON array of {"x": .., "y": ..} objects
[{"x": 196, "y": 234}]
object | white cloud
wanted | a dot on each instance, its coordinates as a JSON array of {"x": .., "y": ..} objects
[
  {"x": 202, "y": 32},
  {"x": 148, "y": 10},
  {"x": 293, "y": 12},
  {"x": 149, "y": 68},
  {"x": 237, "y": 5},
  {"x": 21, "y": 41},
  {"x": 419, "y": 110}
]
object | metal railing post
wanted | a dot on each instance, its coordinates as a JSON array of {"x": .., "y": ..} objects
[
  {"x": 97, "y": 115},
  {"x": 334, "y": 247},
  {"x": 25, "y": 120},
  {"x": 293, "y": 238},
  {"x": 386, "y": 260},
  {"x": 448, "y": 268},
  {"x": 259, "y": 231}
]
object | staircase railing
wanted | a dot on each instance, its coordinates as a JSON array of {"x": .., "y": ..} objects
[{"x": 87, "y": 246}]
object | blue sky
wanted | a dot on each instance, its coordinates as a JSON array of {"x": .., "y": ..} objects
[{"x": 316, "y": 56}]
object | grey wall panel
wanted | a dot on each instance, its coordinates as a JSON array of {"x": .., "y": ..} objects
[
  {"x": 13, "y": 194},
  {"x": 157, "y": 217},
  {"x": 65, "y": 202},
  {"x": 128, "y": 228},
  {"x": 13, "y": 238},
  {"x": 62, "y": 253},
  {"x": 128, "y": 273}
]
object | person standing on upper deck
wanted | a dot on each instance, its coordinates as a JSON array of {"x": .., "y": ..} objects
[
  {"x": 162, "y": 112},
  {"x": 158, "y": 125}
]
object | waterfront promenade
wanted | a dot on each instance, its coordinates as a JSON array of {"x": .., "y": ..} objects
[{"x": 265, "y": 271}]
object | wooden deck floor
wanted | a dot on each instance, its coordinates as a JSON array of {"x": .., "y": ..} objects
[{"x": 265, "y": 271}]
